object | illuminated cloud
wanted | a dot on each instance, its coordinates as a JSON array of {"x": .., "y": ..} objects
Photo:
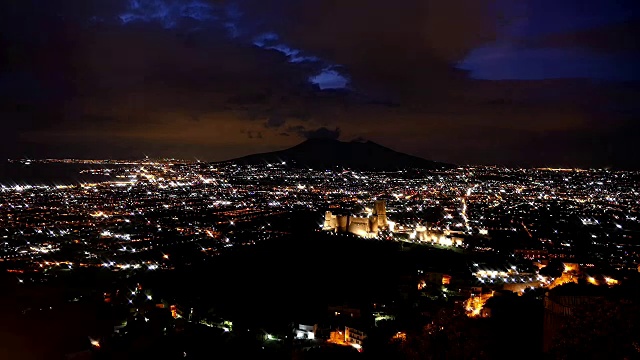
[
  {"x": 591, "y": 41},
  {"x": 265, "y": 39},
  {"x": 505, "y": 63},
  {"x": 270, "y": 41},
  {"x": 329, "y": 78},
  {"x": 169, "y": 12}
]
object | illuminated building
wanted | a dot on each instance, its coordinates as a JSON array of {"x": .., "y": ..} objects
[
  {"x": 446, "y": 279},
  {"x": 360, "y": 226},
  {"x": 342, "y": 221},
  {"x": 363, "y": 226},
  {"x": 474, "y": 306},
  {"x": 380, "y": 210},
  {"x": 399, "y": 336},
  {"x": 354, "y": 337},
  {"x": 330, "y": 221},
  {"x": 422, "y": 233},
  {"x": 306, "y": 331},
  {"x": 434, "y": 279},
  {"x": 350, "y": 336},
  {"x": 532, "y": 253},
  {"x": 571, "y": 267}
]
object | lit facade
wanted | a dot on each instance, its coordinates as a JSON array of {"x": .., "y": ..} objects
[{"x": 363, "y": 226}]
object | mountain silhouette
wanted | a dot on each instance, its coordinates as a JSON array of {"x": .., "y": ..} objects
[{"x": 329, "y": 154}]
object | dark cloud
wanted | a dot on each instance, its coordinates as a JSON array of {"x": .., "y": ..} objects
[
  {"x": 611, "y": 38},
  {"x": 306, "y": 133},
  {"x": 296, "y": 129},
  {"x": 249, "y": 99},
  {"x": 390, "y": 50},
  {"x": 253, "y": 134},
  {"x": 274, "y": 122},
  {"x": 77, "y": 78},
  {"x": 323, "y": 133}
]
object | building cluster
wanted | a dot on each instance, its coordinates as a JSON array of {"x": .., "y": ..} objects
[
  {"x": 519, "y": 229},
  {"x": 589, "y": 217},
  {"x": 366, "y": 226}
]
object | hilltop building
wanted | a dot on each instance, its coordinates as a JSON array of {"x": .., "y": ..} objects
[
  {"x": 364, "y": 226},
  {"x": 380, "y": 211}
]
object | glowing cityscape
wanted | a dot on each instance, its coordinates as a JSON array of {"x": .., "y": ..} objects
[{"x": 520, "y": 232}]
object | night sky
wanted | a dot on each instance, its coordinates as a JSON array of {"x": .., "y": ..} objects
[{"x": 514, "y": 82}]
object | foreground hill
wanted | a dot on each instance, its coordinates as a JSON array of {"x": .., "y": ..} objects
[{"x": 326, "y": 154}]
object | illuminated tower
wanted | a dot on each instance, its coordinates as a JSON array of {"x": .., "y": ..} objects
[
  {"x": 380, "y": 210},
  {"x": 328, "y": 223},
  {"x": 342, "y": 222}
]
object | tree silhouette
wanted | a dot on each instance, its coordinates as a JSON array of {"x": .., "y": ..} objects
[
  {"x": 554, "y": 269},
  {"x": 451, "y": 335},
  {"x": 599, "y": 329}
]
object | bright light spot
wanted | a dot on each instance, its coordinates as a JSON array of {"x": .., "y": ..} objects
[
  {"x": 611, "y": 281},
  {"x": 473, "y": 306}
]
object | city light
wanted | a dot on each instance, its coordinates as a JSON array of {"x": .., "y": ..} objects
[
  {"x": 145, "y": 215},
  {"x": 474, "y": 305}
]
